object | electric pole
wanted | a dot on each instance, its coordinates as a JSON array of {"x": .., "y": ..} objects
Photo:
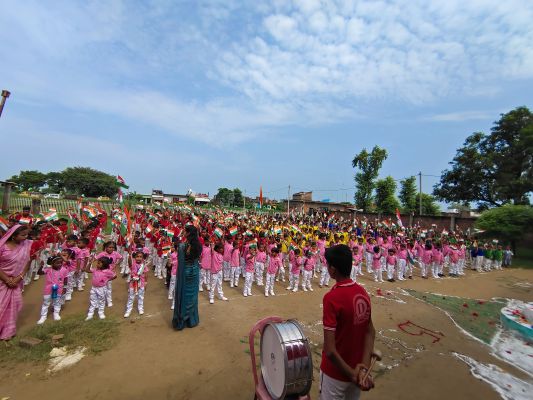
[
  {"x": 420, "y": 190},
  {"x": 288, "y": 200}
]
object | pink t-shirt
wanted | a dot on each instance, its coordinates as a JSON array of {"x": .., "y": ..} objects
[
  {"x": 56, "y": 277},
  {"x": 137, "y": 273},
  {"x": 216, "y": 262},
  {"x": 250, "y": 263},
  {"x": 391, "y": 260},
  {"x": 296, "y": 265},
  {"x": 310, "y": 263},
  {"x": 102, "y": 276},
  {"x": 83, "y": 256},
  {"x": 115, "y": 256},
  {"x": 235, "y": 258},
  {"x": 261, "y": 257},
  {"x": 376, "y": 260},
  {"x": 273, "y": 265},
  {"x": 205, "y": 260},
  {"x": 174, "y": 263},
  {"x": 228, "y": 247}
]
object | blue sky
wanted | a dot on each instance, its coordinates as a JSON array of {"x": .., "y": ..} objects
[{"x": 207, "y": 94}]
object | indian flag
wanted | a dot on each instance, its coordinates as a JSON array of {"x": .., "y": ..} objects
[
  {"x": 248, "y": 233},
  {"x": 233, "y": 230},
  {"x": 398, "y": 218},
  {"x": 89, "y": 211},
  {"x": 148, "y": 229},
  {"x": 295, "y": 228},
  {"x": 293, "y": 246},
  {"x": 24, "y": 221},
  {"x": 218, "y": 233},
  {"x": 170, "y": 233},
  {"x": 277, "y": 230},
  {"x": 50, "y": 216},
  {"x": 121, "y": 182},
  {"x": 3, "y": 224},
  {"x": 195, "y": 219}
]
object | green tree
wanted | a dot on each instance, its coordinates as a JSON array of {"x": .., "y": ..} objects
[
  {"x": 493, "y": 169},
  {"x": 29, "y": 180},
  {"x": 89, "y": 182},
  {"x": 429, "y": 205},
  {"x": 54, "y": 182},
  {"x": 238, "y": 199},
  {"x": 408, "y": 194},
  {"x": 385, "y": 198},
  {"x": 224, "y": 196},
  {"x": 509, "y": 222},
  {"x": 368, "y": 165}
]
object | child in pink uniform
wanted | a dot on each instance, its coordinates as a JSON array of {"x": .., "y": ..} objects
[
  {"x": 137, "y": 282},
  {"x": 82, "y": 257},
  {"x": 376, "y": 264},
  {"x": 116, "y": 258},
  {"x": 273, "y": 268},
  {"x": 357, "y": 259},
  {"x": 249, "y": 267},
  {"x": 295, "y": 263},
  {"x": 55, "y": 278},
  {"x": 217, "y": 265},
  {"x": 69, "y": 256},
  {"x": 391, "y": 260},
  {"x": 309, "y": 267},
  {"x": 235, "y": 265},
  {"x": 260, "y": 260},
  {"x": 205, "y": 265},
  {"x": 402, "y": 262},
  {"x": 173, "y": 272},
  {"x": 102, "y": 274},
  {"x": 228, "y": 247}
]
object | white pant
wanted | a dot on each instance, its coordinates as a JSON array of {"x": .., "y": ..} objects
[
  {"x": 204, "y": 279},
  {"x": 269, "y": 286},
  {"x": 131, "y": 298},
  {"x": 160, "y": 264},
  {"x": 172, "y": 287},
  {"x": 294, "y": 280},
  {"x": 234, "y": 276},
  {"x": 332, "y": 389},
  {"x": 402, "y": 264},
  {"x": 487, "y": 264},
  {"x": 390, "y": 271},
  {"x": 97, "y": 300},
  {"x": 378, "y": 273},
  {"x": 259, "y": 271},
  {"x": 435, "y": 269},
  {"x": 281, "y": 273},
  {"x": 306, "y": 281},
  {"x": 109, "y": 294},
  {"x": 226, "y": 270},
  {"x": 369, "y": 257},
  {"x": 479, "y": 263},
  {"x": 422, "y": 268},
  {"x": 71, "y": 282},
  {"x": 324, "y": 275},
  {"x": 216, "y": 284},
  {"x": 248, "y": 280},
  {"x": 47, "y": 300}
]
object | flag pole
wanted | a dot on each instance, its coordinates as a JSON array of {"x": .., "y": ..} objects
[{"x": 5, "y": 94}]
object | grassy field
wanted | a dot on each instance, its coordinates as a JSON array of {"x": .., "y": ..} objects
[{"x": 95, "y": 335}]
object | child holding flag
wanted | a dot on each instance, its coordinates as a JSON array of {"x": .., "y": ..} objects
[
  {"x": 217, "y": 260},
  {"x": 137, "y": 282}
]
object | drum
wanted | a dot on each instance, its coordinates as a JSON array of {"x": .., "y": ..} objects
[{"x": 286, "y": 362}]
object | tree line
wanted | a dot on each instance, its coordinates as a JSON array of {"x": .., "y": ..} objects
[{"x": 72, "y": 180}]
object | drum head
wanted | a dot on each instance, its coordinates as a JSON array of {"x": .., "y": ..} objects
[{"x": 273, "y": 362}]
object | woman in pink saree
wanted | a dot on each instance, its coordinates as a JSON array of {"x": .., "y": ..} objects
[{"x": 14, "y": 263}]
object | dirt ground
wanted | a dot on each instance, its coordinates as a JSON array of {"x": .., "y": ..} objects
[{"x": 211, "y": 361}]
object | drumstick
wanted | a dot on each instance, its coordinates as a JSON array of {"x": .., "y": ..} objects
[{"x": 376, "y": 356}]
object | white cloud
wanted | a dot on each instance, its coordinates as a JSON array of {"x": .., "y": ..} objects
[
  {"x": 461, "y": 116},
  {"x": 416, "y": 51}
]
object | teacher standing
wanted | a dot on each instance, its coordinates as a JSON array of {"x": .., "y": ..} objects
[
  {"x": 14, "y": 263},
  {"x": 187, "y": 281}
]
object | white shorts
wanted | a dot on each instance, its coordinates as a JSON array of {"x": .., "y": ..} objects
[{"x": 332, "y": 389}]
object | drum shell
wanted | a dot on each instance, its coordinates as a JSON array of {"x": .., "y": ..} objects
[{"x": 297, "y": 359}]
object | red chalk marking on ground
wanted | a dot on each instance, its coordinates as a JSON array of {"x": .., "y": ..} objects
[
  {"x": 410, "y": 328},
  {"x": 465, "y": 305}
]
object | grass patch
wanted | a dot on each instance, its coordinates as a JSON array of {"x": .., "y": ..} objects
[
  {"x": 95, "y": 335},
  {"x": 524, "y": 258},
  {"x": 478, "y": 317}
]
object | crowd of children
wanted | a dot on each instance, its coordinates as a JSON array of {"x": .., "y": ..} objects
[{"x": 260, "y": 249}]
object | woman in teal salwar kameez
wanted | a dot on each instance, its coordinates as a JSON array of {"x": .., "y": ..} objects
[{"x": 187, "y": 281}]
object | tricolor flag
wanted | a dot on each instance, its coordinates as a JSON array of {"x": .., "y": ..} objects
[
  {"x": 295, "y": 228},
  {"x": 277, "y": 230},
  {"x": 121, "y": 182},
  {"x": 24, "y": 221},
  {"x": 218, "y": 233},
  {"x": 4, "y": 224},
  {"x": 293, "y": 246},
  {"x": 170, "y": 233},
  {"x": 89, "y": 211},
  {"x": 233, "y": 230},
  {"x": 148, "y": 229},
  {"x": 398, "y": 218},
  {"x": 248, "y": 233},
  {"x": 260, "y": 196},
  {"x": 50, "y": 216}
]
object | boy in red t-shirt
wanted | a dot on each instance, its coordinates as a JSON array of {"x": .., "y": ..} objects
[{"x": 348, "y": 331}]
